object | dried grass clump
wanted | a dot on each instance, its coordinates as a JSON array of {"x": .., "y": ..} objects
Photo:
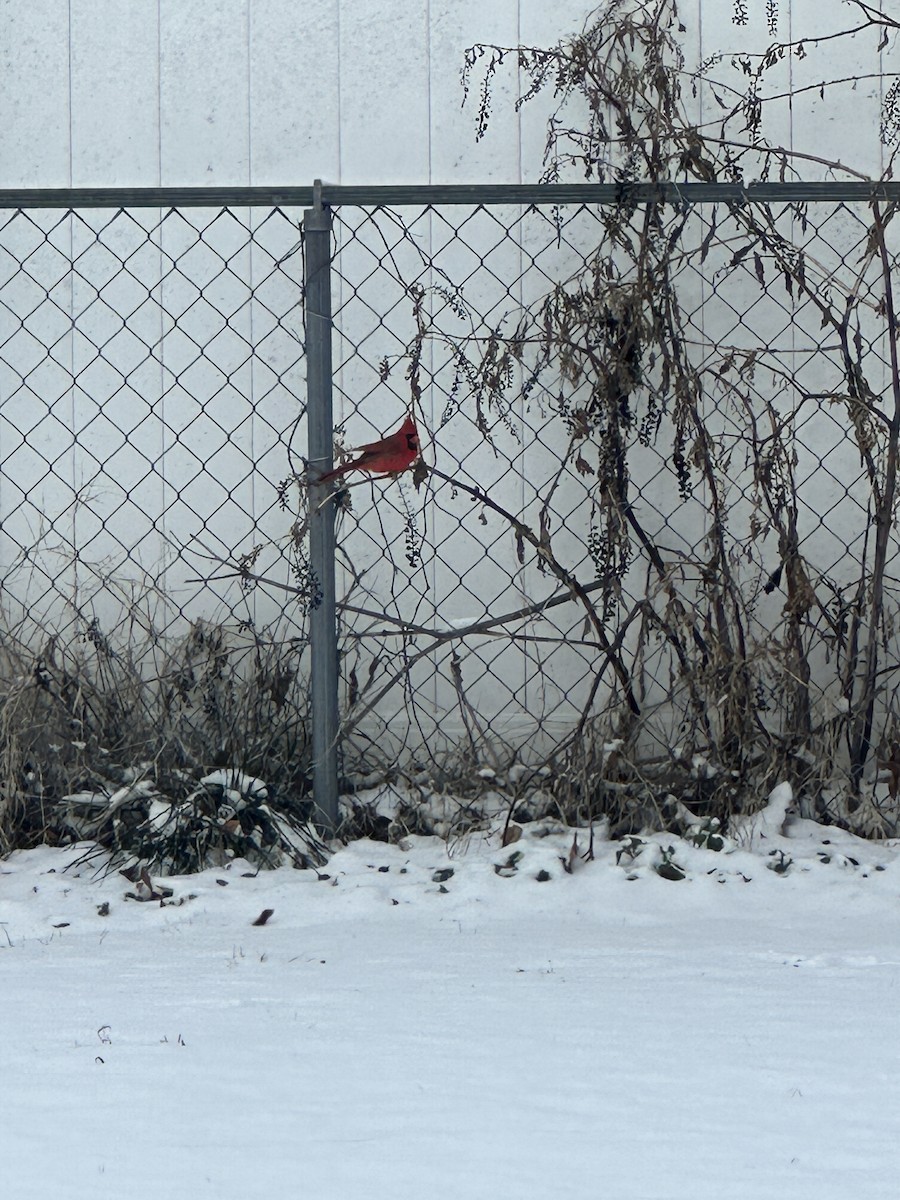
[{"x": 119, "y": 741}]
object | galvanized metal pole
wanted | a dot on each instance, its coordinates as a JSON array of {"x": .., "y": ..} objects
[{"x": 320, "y": 439}]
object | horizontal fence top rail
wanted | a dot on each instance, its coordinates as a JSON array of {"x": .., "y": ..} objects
[{"x": 467, "y": 194}]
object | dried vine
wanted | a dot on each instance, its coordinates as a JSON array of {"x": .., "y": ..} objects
[{"x": 616, "y": 339}]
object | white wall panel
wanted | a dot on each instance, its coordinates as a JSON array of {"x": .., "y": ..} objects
[
  {"x": 841, "y": 125},
  {"x": 204, "y": 97},
  {"x": 543, "y": 25},
  {"x": 456, "y": 157},
  {"x": 189, "y": 92},
  {"x": 383, "y": 92},
  {"x": 37, "y": 485},
  {"x": 294, "y": 91},
  {"x": 115, "y": 93},
  {"x": 34, "y": 94}
]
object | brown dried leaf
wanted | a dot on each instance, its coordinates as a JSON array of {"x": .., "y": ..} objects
[
  {"x": 511, "y": 834},
  {"x": 892, "y": 766}
]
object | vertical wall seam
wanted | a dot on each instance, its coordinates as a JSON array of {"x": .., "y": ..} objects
[
  {"x": 72, "y": 403},
  {"x": 340, "y": 114},
  {"x": 248, "y": 19},
  {"x": 518, "y": 94},
  {"x": 160, "y": 405},
  {"x": 71, "y": 93},
  {"x": 428, "y": 89},
  {"x": 430, "y": 577},
  {"x": 518, "y": 580},
  {"x": 251, "y": 219},
  {"x": 159, "y": 170}
]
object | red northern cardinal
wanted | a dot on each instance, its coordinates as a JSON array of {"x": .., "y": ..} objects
[{"x": 394, "y": 453}]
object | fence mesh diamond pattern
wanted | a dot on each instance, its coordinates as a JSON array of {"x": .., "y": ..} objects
[
  {"x": 152, "y": 374},
  {"x": 652, "y": 534}
]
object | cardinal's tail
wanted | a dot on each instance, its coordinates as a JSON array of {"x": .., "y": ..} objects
[{"x": 337, "y": 473}]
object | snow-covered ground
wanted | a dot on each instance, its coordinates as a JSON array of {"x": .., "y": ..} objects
[{"x": 396, "y": 1031}]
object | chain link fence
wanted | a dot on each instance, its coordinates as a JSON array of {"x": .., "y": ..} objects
[
  {"x": 152, "y": 377},
  {"x": 650, "y": 550}
]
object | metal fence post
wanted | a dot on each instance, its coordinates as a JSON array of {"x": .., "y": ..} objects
[{"x": 320, "y": 426}]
